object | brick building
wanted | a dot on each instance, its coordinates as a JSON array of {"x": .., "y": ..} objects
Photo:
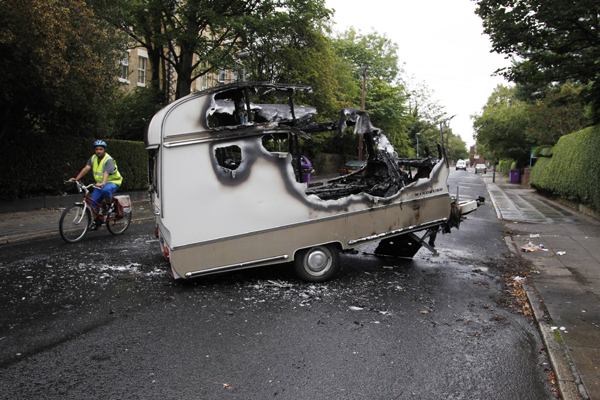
[{"x": 475, "y": 158}]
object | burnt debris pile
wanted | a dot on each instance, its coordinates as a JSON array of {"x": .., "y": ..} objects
[{"x": 384, "y": 174}]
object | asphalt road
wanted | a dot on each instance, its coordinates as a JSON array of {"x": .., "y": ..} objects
[{"x": 103, "y": 320}]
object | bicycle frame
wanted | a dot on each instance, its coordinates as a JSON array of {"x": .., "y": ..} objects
[{"x": 87, "y": 204}]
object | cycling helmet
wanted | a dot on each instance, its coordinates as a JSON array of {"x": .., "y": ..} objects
[{"x": 100, "y": 143}]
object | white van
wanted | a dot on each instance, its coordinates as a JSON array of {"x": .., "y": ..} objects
[
  {"x": 461, "y": 164},
  {"x": 227, "y": 189}
]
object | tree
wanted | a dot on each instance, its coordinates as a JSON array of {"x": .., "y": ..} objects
[
  {"x": 289, "y": 45},
  {"x": 424, "y": 117},
  {"x": 385, "y": 97},
  {"x": 501, "y": 128},
  {"x": 457, "y": 148},
  {"x": 194, "y": 37},
  {"x": 198, "y": 37},
  {"x": 385, "y": 105},
  {"x": 374, "y": 51},
  {"x": 59, "y": 64},
  {"x": 132, "y": 111},
  {"x": 559, "y": 113},
  {"x": 558, "y": 41}
]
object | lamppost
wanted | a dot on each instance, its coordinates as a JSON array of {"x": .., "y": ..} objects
[{"x": 417, "y": 135}]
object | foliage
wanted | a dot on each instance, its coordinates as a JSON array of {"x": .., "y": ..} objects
[
  {"x": 558, "y": 41},
  {"x": 543, "y": 151},
  {"x": 559, "y": 113},
  {"x": 457, "y": 148},
  {"x": 195, "y": 37},
  {"x": 385, "y": 97},
  {"x": 198, "y": 37},
  {"x": 58, "y": 68},
  {"x": 132, "y": 112},
  {"x": 501, "y": 128},
  {"x": 288, "y": 45},
  {"x": 504, "y": 166},
  {"x": 37, "y": 164},
  {"x": 424, "y": 116},
  {"x": 573, "y": 172},
  {"x": 385, "y": 105},
  {"x": 508, "y": 127},
  {"x": 428, "y": 132},
  {"x": 375, "y": 52},
  {"x": 421, "y": 100}
]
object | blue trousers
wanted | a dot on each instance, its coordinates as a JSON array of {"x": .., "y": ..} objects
[{"x": 103, "y": 193}]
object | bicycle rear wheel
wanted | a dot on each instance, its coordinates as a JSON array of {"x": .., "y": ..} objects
[
  {"x": 74, "y": 223},
  {"x": 117, "y": 225}
]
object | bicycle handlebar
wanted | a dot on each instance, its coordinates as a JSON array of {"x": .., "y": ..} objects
[{"x": 81, "y": 186}]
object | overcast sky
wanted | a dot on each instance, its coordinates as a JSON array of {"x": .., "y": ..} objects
[{"x": 440, "y": 43}]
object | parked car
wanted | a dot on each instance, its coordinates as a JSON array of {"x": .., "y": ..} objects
[
  {"x": 352, "y": 166},
  {"x": 480, "y": 168},
  {"x": 461, "y": 164}
]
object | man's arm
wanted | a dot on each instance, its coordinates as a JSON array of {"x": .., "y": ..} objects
[
  {"x": 82, "y": 173},
  {"x": 104, "y": 180}
]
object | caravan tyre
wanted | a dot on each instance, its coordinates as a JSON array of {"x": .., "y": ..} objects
[{"x": 317, "y": 264}]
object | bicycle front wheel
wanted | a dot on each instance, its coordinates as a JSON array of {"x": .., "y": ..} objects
[
  {"x": 74, "y": 223},
  {"x": 117, "y": 225}
]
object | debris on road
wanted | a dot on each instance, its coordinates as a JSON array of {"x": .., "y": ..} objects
[{"x": 529, "y": 247}]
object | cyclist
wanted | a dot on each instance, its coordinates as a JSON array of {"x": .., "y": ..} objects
[{"x": 107, "y": 176}]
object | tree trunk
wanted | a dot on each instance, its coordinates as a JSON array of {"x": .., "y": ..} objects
[
  {"x": 186, "y": 59},
  {"x": 184, "y": 73}
]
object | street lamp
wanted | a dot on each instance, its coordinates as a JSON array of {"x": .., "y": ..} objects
[{"x": 417, "y": 135}]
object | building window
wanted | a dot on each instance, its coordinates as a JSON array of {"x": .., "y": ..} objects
[
  {"x": 124, "y": 67},
  {"x": 142, "y": 71},
  {"x": 222, "y": 76}
]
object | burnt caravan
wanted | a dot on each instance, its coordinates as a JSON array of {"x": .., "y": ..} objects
[{"x": 228, "y": 193}]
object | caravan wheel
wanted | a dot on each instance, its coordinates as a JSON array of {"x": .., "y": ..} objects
[{"x": 318, "y": 263}]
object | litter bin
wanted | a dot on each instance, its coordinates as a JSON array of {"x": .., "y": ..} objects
[
  {"x": 515, "y": 175},
  {"x": 306, "y": 167}
]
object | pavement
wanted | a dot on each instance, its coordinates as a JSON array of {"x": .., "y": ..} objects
[
  {"x": 562, "y": 244},
  {"x": 18, "y": 226}
]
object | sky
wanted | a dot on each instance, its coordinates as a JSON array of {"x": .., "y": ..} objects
[{"x": 440, "y": 43}]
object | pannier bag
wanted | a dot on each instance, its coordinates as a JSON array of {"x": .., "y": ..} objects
[{"x": 123, "y": 205}]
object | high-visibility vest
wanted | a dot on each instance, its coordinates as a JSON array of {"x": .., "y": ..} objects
[{"x": 98, "y": 169}]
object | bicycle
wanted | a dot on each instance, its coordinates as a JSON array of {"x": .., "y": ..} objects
[{"x": 77, "y": 218}]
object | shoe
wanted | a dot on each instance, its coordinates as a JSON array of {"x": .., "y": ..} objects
[{"x": 96, "y": 224}]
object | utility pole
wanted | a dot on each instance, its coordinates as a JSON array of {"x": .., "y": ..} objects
[
  {"x": 446, "y": 127},
  {"x": 364, "y": 90}
]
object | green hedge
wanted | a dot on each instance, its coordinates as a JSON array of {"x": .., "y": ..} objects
[
  {"x": 573, "y": 171},
  {"x": 543, "y": 151},
  {"x": 505, "y": 166},
  {"x": 37, "y": 165}
]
